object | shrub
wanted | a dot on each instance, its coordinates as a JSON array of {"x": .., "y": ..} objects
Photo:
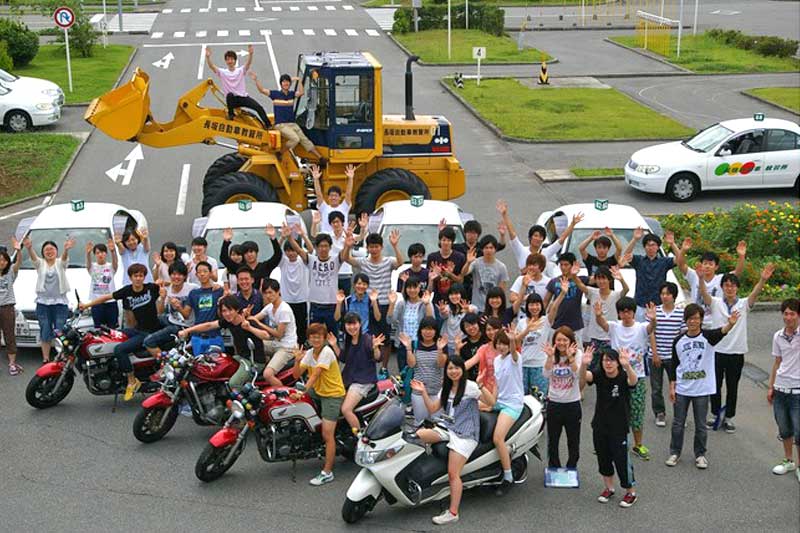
[
  {"x": 762, "y": 45},
  {"x": 23, "y": 44},
  {"x": 6, "y": 63},
  {"x": 488, "y": 18}
]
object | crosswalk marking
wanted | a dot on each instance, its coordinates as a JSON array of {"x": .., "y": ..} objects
[
  {"x": 222, "y": 10},
  {"x": 166, "y": 11},
  {"x": 294, "y": 8},
  {"x": 244, "y": 33},
  {"x": 222, "y": 33},
  {"x": 240, "y": 10},
  {"x": 347, "y": 8},
  {"x": 203, "y": 10},
  {"x": 287, "y": 32},
  {"x": 351, "y": 33},
  {"x": 373, "y": 33},
  {"x": 384, "y": 17},
  {"x": 277, "y": 8},
  {"x": 329, "y": 31},
  {"x": 179, "y": 34},
  {"x": 157, "y": 35},
  {"x": 201, "y": 33},
  {"x": 308, "y": 31},
  {"x": 313, "y": 8},
  {"x": 186, "y": 10},
  {"x": 330, "y": 8},
  {"x": 265, "y": 32},
  {"x": 258, "y": 8}
]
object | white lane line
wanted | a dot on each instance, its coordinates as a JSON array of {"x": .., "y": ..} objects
[
  {"x": 186, "y": 10},
  {"x": 222, "y": 10},
  {"x": 259, "y": 9},
  {"x": 274, "y": 61},
  {"x": 244, "y": 33},
  {"x": 157, "y": 35},
  {"x": 44, "y": 204},
  {"x": 372, "y": 33},
  {"x": 265, "y": 32},
  {"x": 201, "y": 33},
  {"x": 257, "y": 5},
  {"x": 202, "y": 63},
  {"x": 166, "y": 11},
  {"x": 277, "y": 8},
  {"x": 208, "y": 7},
  {"x": 329, "y": 31},
  {"x": 222, "y": 33},
  {"x": 307, "y": 31},
  {"x": 294, "y": 8},
  {"x": 183, "y": 189},
  {"x": 179, "y": 34},
  {"x": 203, "y": 10},
  {"x": 330, "y": 8},
  {"x": 313, "y": 8},
  {"x": 287, "y": 32},
  {"x": 347, "y": 8},
  {"x": 351, "y": 33}
]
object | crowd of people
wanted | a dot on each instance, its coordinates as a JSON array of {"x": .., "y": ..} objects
[{"x": 472, "y": 340}]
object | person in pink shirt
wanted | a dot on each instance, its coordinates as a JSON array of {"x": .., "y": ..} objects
[
  {"x": 484, "y": 358},
  {"x": 233, "y": 84}
]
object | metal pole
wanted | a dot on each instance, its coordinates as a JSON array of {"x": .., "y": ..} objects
[
  {"x": 694, "y": 25},
  {"x": 583, "y": 12},
  {"x": 119, "y": 14},
  {"x": 69, "y": 63},
  {"x": 479, "y": 71},
  {"x": 680, "y": 29},
  {"x": 466, "y": 11},
  {"x": 662, "y": 9},
  {"x": 105, "y": 24},
  {"x": 448, "y": 30},
  {"x": 416, "y": 20}
]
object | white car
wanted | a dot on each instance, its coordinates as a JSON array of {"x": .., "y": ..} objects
[
  {"x": 623, "y": 219},
  {"x": 747, "y": 153},
  {"x": 84, "y": 222},
  {"x": 27, "y": 102}
]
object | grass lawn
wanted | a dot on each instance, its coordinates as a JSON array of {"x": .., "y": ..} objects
[
  {"x": 91, "y": 76},
  {"x": 431, "y": 47},
  {"x": 706, "y": 55},
  {"x": 501, "y": 3},
  {"x": 788, "y": 97},
  {"x": 596, "y": 172},
  {"x": 567, "y": 113},
  {"x": 30, "y": 163}
]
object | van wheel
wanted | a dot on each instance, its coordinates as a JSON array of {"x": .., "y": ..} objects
[
  {"x": 236, "y": 186},
  {"x": 683, "y": 187},
  {"x": 387, "y": 185},
  {"x": 224, "y": 165}
]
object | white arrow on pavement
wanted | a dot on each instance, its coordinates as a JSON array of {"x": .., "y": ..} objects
[
  {"x": 164, "y": 62},
  {"x": 126, "y": 173}
]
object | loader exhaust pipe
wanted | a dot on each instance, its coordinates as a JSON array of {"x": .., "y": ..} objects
[{"x": 410, "y": 88}]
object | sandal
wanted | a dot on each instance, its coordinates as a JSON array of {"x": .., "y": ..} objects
[{"x": 15, "y": 369}]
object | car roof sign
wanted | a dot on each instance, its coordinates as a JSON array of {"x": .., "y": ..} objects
[
  {"x": 417, "y": 200},
  {"x": 245, "y": 205},
  {"x": 77, "y": 205},
  {"x": 758, "y": 117},
  {"x": 601, "y": 204}
]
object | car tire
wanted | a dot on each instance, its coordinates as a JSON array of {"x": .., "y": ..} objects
[
  {"x": 389, "y": 184},
  {"x": 224, "y": 165},
  {"x": 683, "y": 187},
  {"x": 235, "y": 186},
  {"x": 797, "y": 186},
  {"x": 17, "y": 121}
]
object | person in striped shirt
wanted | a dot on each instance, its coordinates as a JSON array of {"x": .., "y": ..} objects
[{"x": 669, "y": 323}]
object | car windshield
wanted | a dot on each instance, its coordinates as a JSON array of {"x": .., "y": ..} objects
[
  {"x": 387, "y": 421},
  {"x": 425, "y": 234},
  {"x": 624, "y": 236},
  {"x": 240, "y": 235},
  {"x": 77, "y": 255},
  {"x": 7, "y": 76},
  {"x": 708, "y": 138}
]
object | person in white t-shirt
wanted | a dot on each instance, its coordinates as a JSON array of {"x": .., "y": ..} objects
[
  {"x": 294, "y": 283},
  {"x": 101, "y": 282},
  {"x": 200, "y": 254},
  {"x": 134, "y": 247},
  {"x": 277, "y": 319},
  {"x": 336, "y": 200},
  {"x": 634, "y": 337},
  {"x": 532, "y": 280},
  {"x": 729, "y": 353},
  {"x": 605, "y": 294}
]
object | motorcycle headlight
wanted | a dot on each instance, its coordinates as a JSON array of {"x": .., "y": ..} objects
[
  {"x": 648, "y": 169},
  {"x": 45, "y": 106},
  {"x": 237, "y": 409},
  {"x": 58, "y": 345},
  {"x": 370, "y": 457},
  {"x": 168, "y": 373}
]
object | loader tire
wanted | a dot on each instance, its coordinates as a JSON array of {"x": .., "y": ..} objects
[
  {"x": 235, "y": 186},
  {"x": 386, "y": 185},
  {"x": 224, "y": 165}
]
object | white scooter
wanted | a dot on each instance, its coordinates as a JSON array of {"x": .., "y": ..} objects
[{"x": 396, "y": 466}]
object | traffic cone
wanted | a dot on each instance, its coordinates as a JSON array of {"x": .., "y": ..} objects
[{"x": 544, "y": 77}]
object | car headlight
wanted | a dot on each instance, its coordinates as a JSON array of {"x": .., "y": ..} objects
[
  {"x": 44, "y": 106},
  {"x": 370, "y": 457},
  {"x": 237, "y": 409},
  {"x": 58, "y": 345},
  {"x": 648, "y": 169},
  {"x": 51, "y": 92}
]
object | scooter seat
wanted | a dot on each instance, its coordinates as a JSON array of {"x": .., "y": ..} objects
[
  {"x": 369, "y": 398},
  {"x": 440, "y": 450},
  {"x": 488, "y": 422}
]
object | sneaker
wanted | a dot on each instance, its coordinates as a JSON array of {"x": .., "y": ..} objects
[
  {"x": 661, "y": 420},
  {"x": 605, "y": 495},
  {"x": 701, "y": 462},
  {"x": 711, "y": 422},
  {"x": 131, "y": 389},
  {"x": 321, "y": 479},
  {"x": 445, "y": 518},
  {"x": 786, "y": 466},
  {"x": 728, "y": 426},
  {"x": 504, "y": 488},
  {"x": 185, "y": 409},
  {"x": 628, "y": 500},
  {"x": 672, "y": 460},
  {"x": 641, "y": 451}
]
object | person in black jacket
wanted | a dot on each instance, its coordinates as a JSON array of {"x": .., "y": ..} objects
[{"x": 261, "y": 270}]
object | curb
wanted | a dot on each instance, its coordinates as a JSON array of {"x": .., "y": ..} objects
[
  {"x": 422, "y": 63},
  {"x": 577, "y": 179},
  {"x": 116, "y": 83},
  {"x": 773, "y": 104},
  {"x": 498, "y": 132},
  {"x": 760, "y": 307}
]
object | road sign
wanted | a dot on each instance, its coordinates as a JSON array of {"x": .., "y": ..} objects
[
  {"x": 479, "y": 52},
  {"x": 64, "y": 17}
]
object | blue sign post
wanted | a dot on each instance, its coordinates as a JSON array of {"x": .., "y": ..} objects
[{"x": 64, "y": 18}]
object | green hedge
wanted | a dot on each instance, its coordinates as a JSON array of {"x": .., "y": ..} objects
[
  {"x": 488, "y": 18},
  {"x": 765, "y": 45}
]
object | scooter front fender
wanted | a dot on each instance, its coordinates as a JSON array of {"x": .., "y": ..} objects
[
  {"x": 365, "y": 484},
  {"x": 224, "y": 437},
  {"x": 49, "y": 370},
  {"x": 159, "y": 399}
]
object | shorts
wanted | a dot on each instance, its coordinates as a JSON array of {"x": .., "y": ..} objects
[
  {"x": 462, "y": 446},
  {"x": 508, "y": 411},
  {"x": 280, "y": 356},
  {"x": 362, "y": 389},
  {"x": 638, "y": 397},
  {"x": 380, "y": 327},
  {"x": 786, "y": 408},
  {"x": 330, "y": 407},
  {"x": 533, "y": 376},
  {"x": 51, "y": 318}
]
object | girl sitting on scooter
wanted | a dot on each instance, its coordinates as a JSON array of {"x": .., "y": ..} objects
[
  {"x": 509, "y": 402},
  {"x": 459, "y": 399}
]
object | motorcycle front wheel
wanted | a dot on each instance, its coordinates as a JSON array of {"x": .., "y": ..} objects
[
  {"x": 352, "y": 511},
  {"x": 154, "y": 423},
  {"x": 41, "y": 392},
  {"x": 214, "y": 462}
]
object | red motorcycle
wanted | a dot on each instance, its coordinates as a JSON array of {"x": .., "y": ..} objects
[
  {"x": 202, "y": 382},
  {"x": 90, "y": 351},
  {"x": 285, "y": 429}
]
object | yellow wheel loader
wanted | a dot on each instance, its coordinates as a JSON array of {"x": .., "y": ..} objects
[{"x": 341, "y": 112}]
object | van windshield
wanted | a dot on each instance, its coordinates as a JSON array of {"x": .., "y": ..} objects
[{"x": 77, "y": 255}]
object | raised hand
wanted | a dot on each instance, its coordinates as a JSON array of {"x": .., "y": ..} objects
[
  {"x": 441, "y": 344},
  {"x": 394, "y": 237},
  {"x": 69, "y": 243},
  {"x": 442, "y": 224},
  {"x": 572, "y": 350},
  {"x": 392, "y": 297},
  {"x": 298, "y": 228},
  {"x": 15, "y": 244},
  {"x": 299, "y": 353},
  {"x": 443, "y": 308},
  {"x": 502, "y": 229},
  {"x": 596, "y": 234},
  {"x": 378, "y": 340},
  {"x": 270, "y": 231},
  {"x": 459, "y": 342},
  {"x": 502, "y": 207},
  {"x": 588, "y": 353},
  {"x": 350, "y": 171},
  {"x": 435, "y": 270},
  {"x": 565, "y": 285},
  {"x": 427, "y": 297},
  {"x": 89, "y": 247},
  {"x": 734, "y": 318},
  {"x": 316, "y": 217},
  {"x": 331, "y": 338},
  {"x": 686, "y": 245},
  {"x": 767, "y": 272},
  {"x": 418, "y": 386},
  {"x": 549, "y": 350},
  {"x": 624, "y": 357},
  {"x": 472, "y": 254},
  {"x": 363, "y": 221},
  {"x": 316, "y": 173},
  {"x": 576, "y": 219},
  {"x": 615, "y": 273},
  {"x": 625, "y": 260},
  {"x": 162, "y": 293},
  {"x": 638, "y": 233},
  {"x": 208, "y": 52},
  {"x": 373, "y": 295},
  {"x": 669, "y": 237},
  {"x": 250, "y": 50},
  {"x": 698, "y": 268},
  {"x": 349, "y": 239},
  {"x": 650, "y": 311},
  {"x": 252, "y": 75},
  {"x": 741, "y": 248},
  {"x": 144, "y": 232},
  {"x": 405, "y": 340},
  {"x": 26, "y": 242},
  {"x": 598, "y": 308},
  {"x": 340, "y": 297},
  {"x": 575, "y": 270},
  {"x": 404, "y": 276},
  {"x": 464, "y": 303},
  {"x": 608, "y": 231},
  {"x": 285, "y": 230}
]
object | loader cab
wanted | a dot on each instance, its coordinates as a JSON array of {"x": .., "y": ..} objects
[{"x": 341, "y": 103}]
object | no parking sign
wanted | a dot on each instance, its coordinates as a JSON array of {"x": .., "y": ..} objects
[{"x": 64, "y": 18}]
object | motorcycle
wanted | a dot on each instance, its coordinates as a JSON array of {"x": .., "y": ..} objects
[
  {"x": 396, "y": 466},
  {"x": 90, "y": 351},
  {"x": 203, "y": 381},
  {"x": 285, "y": 429}
]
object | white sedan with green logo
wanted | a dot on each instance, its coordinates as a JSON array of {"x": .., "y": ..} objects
[{"x": 747, "y": 153}]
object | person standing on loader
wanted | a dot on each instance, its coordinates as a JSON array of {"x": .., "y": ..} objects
[
  {"x": 233, "y": 84},
  {"x": 283, "y": 107}
]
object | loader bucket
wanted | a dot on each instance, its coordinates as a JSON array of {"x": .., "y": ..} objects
[{"x": 121, "y": 113}]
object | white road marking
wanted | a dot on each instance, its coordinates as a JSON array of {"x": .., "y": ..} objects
[
  {"x": 313, "y": 8},
  {"x": 287, "y": 32},
  {"x": 165, "y": 61},
  {"x": 208, "y": 7},
  {"x": 347, "y": 8},
  {"x": 240, "y": 10},
  {"x": 307, "y": 31},
  {"x": 222, "y": 10},
  {"x": 277, "y": 8},
  {"x": 203, "y": 10},
  {"x": 244, "y": 33},
  {"x": 265, "y": 32},
  {"x": 44, "y": 204},
  {"x": 294, "y": 8},
  {"x": 222, "y": 33},
  {"x": 329, "y": 31},
  {"x": 188, "y": 45},
  {"x": 330, "y": 8},
  {"x": 157, "y": 35},
  {"x": 183, "y": 189},
  {"x": 202, "y": 63},
  {"x": 272, "y": 59},
  {"x": 351, "y": 33},
  {"x": 186, "y": 10},
  {"x": 166, "y": 11},
  {"x": 258, "y": 8},
  {"x": 201, "y": 34},
  {"x": 179, "y": 34},
  {"x": 373, "y": 33}
]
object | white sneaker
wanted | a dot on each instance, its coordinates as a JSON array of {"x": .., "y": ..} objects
[
  {"x": 672, "y": 460},
  {"x": 321, "y": 479},
  {"x": 445, "y": 518},
  {"x": 661, "y": 420},
  {"x": 784, "y": 467},
  {"x": 701, "y": 462}
]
